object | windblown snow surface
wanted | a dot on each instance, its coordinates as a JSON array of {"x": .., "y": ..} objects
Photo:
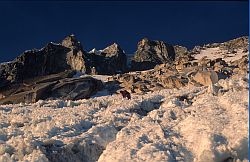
[
  {"x": 213, "y": 53},
  {"x": 158, "y": 126}
]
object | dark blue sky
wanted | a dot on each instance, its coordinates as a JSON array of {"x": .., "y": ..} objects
[{"x": 27, "y": 25}]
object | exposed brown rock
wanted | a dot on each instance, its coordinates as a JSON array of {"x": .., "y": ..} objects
[
  {"x": 206, "y": 78},
  {"x": 172, "y": 82}
]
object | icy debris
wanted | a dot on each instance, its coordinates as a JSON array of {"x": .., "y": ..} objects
[{"x": 168, "y": 125}]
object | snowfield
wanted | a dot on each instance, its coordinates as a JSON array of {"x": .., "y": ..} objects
[
  {"x": 216, "y": 52},
  {"x": 188, "y": 125}
]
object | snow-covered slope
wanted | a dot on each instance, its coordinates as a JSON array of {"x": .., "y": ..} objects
[
  {"x": 216, "y": 52},
  {"x": 168, "y": 125}
]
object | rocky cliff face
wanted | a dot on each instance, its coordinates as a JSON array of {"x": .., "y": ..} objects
[
  {"x": 110, "y": 60},
  {"x": 68, "y": 55},
  {"x": 76, "y": 55},
  {"x": 150, "y": 53},
  {"x": 51, "y": 59}
]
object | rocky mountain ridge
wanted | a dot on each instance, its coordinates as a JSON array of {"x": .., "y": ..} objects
[
  {"x": 70, "y": 55},
  {"x": 166, "y": 66}
]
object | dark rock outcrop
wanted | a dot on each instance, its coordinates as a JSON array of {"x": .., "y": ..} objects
[
  {"x": 111, "y": 60},
  {"x": 76, "y": 55},
  {"x": 150, "y": 53},
  {"x": 55, "y": 86},
  {"x": 51, "y": 59},
  {"x": 55, "y": 58}
]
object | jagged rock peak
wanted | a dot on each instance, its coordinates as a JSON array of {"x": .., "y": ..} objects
[
  {"x": 113, "y": 49},
  {"x": 146, "y": 41},
  {"x": 71, "y": 41},
  {"x": 111, "y": 60},
  {"x": 115, "y": 45},
  {"x": 143, "y": 41},
  {"x": 150, "y": 53},
  {"x": 156, "y": 48}
]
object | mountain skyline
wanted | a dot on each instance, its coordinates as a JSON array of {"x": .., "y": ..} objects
[{"x": 98, "y": 24}]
